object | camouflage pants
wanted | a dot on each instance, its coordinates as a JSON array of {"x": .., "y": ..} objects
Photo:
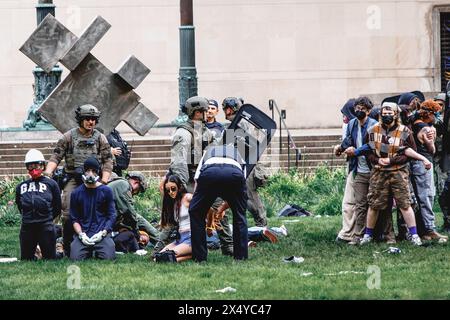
[
  {"x": 254, "y": 203},
  {"x": 384, "y": 183},
  {"x": 68, "y": 231}
]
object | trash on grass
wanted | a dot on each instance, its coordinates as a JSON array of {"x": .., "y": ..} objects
[
  {"x": 141, "y": 252},
  {"x": 227, "y": 289},
  {"x": 393, "y": 250},
  {"x": 294, "y": 259}
]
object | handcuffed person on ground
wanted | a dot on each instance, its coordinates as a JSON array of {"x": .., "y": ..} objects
[
  {"x": 128, "y": 219},
  {"x": 93, "y": 213}
]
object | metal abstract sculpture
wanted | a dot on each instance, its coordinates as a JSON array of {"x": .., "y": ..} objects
[{"x": 89, "y": 81}]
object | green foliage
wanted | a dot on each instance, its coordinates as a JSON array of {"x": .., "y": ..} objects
[
  {"x": 149, "y": 203},
  {"x": 8, "y": 190},
  {"x": 9, "y": 214},
  {"x": 320, "y": 193}
]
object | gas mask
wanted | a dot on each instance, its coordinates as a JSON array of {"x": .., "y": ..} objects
[{"x": 90, "y": 179}]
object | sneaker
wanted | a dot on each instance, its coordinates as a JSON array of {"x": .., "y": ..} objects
[
  {"x": 251, "y": 244},
  {"x": 415, "y": 240},
  {"x": 433, "y": 235},
  {"x": 270, "y": 236},
  {"x": 283, "y": 230},
  {"x": 294, "y": 259},
  {"x": 366, "y": 239},
  {"x": 355, "y": 241}
]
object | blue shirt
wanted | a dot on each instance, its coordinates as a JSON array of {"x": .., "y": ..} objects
[
  {"x": 215, "y": 126},
  {"x": 93, "y": 209},
  {"x": 352, "y": 132}
]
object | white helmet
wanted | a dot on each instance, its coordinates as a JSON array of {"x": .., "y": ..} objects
[{"x": 34, "y": 155}]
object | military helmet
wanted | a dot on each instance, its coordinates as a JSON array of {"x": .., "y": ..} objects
[
  {"x": 196, "y": 104},
  {"x": 86, "y": 111},
  {"x": 138, "y": 175},
  {"x": 232, "y": 102}
]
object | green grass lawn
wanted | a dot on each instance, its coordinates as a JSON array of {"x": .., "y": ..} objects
[{"x": 416, "y": 273}]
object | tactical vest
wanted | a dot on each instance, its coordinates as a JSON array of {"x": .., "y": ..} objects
[
  {"x": 195, "y": 155},
  {"x": 80, "y": 148}
]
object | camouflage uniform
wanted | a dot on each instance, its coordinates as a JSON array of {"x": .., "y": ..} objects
[
  {"x": 127, "y": 216},
  {"x": 75, "y": 148},
  {"x": 254, "y": 203}
]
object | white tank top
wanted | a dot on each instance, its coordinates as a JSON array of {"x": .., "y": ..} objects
[{"x": 185, "y": 222}]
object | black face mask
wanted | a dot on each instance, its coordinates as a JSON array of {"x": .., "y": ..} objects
[
  {"x": 387, "y": 120},
  {"x": 360, "y": 114}
]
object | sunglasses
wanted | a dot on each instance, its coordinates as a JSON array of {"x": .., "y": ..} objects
[
  {"x": 90, "y": 118},
  {"x": 172, "y": 189},
  {"x": 35, "y": 165}
]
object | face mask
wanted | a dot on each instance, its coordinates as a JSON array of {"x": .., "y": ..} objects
[
  {"x": 35, "y": 173},
  {"x": 387, "y": 119},
  {"x": 360, "y": 114},
  {"x": 90, "y": 179}
]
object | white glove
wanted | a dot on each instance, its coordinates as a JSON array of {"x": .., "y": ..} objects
[
  {"x": 96, "y": 238},
  {"x": 85, "y": 239}
]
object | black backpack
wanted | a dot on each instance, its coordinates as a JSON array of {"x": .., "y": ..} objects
[
  {"x": 116, "y": 141},
  {"x": 293, "y": 210},
  {"x": 166, "y": 256}
]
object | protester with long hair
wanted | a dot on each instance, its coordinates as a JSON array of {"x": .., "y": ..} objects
[{"x": 175, "y": 212}]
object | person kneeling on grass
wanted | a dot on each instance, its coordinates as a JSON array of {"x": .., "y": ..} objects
[
  {"x": 175, "y": 211},
  {"x": 92, "y": 211},
  {"x": 39, "y": 202}
]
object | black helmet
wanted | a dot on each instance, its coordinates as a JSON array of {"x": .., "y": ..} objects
[{"x": 232, "y": 102}]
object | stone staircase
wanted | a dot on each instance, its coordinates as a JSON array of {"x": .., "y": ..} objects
[{"x": 152, "y": 156}]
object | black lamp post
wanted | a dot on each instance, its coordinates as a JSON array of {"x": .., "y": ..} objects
[{"x": 44, "y": 83}]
